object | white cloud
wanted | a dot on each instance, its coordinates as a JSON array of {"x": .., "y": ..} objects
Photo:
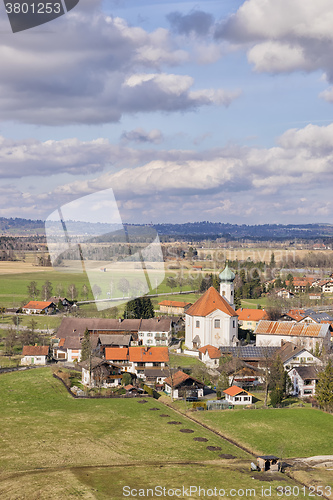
[
  {"x": 283, "y": 36},
  {"x": 92, "y": 69}
]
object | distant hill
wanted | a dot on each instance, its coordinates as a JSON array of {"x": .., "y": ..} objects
[{"x": 189, "y": 230}]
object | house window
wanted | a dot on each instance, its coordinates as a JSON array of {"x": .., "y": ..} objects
[
  {"x": 217, "y": 323},
  {"x": 141, "y": 334},
  {"x": 149, "y": 341},
  {"x": 149, "y": 334},
  {"x": 233, "y": 323},
  {"x": 197, "y": 324}
]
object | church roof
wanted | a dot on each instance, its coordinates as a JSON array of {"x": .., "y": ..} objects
[
  {"x": 209, "y": 302},
  {"x": 227, "y": 274}
]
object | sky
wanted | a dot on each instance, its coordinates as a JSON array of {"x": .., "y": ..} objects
[{"x": 187, "y": 111}]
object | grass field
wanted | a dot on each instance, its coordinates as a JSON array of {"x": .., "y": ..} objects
[
  {"x": 274, "y": 431},
  {"x": 55, "y": 447}
]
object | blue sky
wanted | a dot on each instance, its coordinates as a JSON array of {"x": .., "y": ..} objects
[{"x": 213, "y": 110}]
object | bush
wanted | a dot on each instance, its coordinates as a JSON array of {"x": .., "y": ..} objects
[{"x": 199, "y": 404}]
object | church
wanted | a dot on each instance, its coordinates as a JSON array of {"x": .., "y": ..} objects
[{"x": 212, "y": 319}]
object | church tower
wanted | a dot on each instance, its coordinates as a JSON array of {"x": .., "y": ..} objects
[{"x": 227, "y": 285}]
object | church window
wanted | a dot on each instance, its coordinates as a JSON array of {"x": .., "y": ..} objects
[
  {"x": 217, "y": 323},
  {"x": 197, "y": 324},
  {"x": 223, "y": 293},
  {"x": 233, "y": 323}
]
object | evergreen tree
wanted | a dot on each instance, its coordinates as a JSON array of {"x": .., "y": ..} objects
[
  {"x": 279, "y": 382},
  {"x": 324, "y": 389},
  {"x": 140, "y": 307},
  {"x": 86, "y": 346}
]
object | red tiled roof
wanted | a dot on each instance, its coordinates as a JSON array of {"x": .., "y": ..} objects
[
  {"x": 213, "y": 352},
  {"x": 35, "y": 350},
  {"x": 61, "y": 342},
  {"x": 234, "y": 390},
  {"x": 173, "y": 303},
  {"x": 251, "y": 314},
  {"x": 209, "y": 302},
  {"x": 178, "y": 378},
  {"x": 36, "y": 304},
  {"x": 149, "y": 354},
  {"x": 117, "y": 353},
  {"x": 291, "y": 329}
]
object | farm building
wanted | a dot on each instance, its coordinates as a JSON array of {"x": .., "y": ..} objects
[
  {"x": 174, "y": 306},
  {"x": 39, "y": 307},
  {"x": 273, "y": 333},
  {"x": 35, "y": 355},
  {"x": 184, "y": 386}
]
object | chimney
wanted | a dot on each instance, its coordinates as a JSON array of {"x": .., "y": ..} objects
[{"x": 119, "y": 320}]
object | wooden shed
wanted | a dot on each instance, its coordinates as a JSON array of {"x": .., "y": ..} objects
[{"x": 268, "y": 462}]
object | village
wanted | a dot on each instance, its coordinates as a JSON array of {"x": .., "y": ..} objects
[{"x": 149, "y": 353}]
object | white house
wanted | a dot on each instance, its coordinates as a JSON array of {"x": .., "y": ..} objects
[
  {"x": 210, "y": 355},
  {"x": 35, "y": 355},
  {"x": 238, "y": 396},
  {"x": 155, "y": 331},
  {"x": 292, "y": 355},
  {"x": 39, "y": 307},
  {"x": 304, "y": 380},
  {"x": 137, "y": 359}
]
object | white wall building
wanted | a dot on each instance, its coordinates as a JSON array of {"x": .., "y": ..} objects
[{"x": 211, "y": 321}]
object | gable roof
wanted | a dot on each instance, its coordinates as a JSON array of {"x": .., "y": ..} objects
[
  {"x": 234, "y": 390},
  {"x": 213, "y": 352},
  {"x": 77, "y": 326},
  {"x": 251, "y": 314},
  {"x": 117, "y": 353},
  {"x": 37, "y": 304},
  {"x": 288, "y": 350},
  {"x": 35, "y": 350},
  {"x": 288, "y": 328},
  {"x": 106, "y": 339},
  {"x": 179, "y": 378},
  {"x": 250, "y": 352},
  {"x": 209, "y": 302},
  {"x": 174, "y": 303},
  {"x": 307, "y": 372},
  {"x": 155, "y": 325},
  {"x": 149, "y": 354}
]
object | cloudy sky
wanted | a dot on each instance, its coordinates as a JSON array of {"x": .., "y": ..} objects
[{"x": 211, "y": 110}]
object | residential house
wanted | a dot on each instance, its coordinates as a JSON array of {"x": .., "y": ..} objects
[
  {"x": 98, "y": 372},
  {"x": 273, "y": 333},
  {"x": 39, "y": 307},
  {"x": 35, "y": 355},
  {"x": 174, "y": 307},
  {"x": 210, "y": 355},
  {"x": 284, "y": 294},
  {"x": 182, "y": 385},
  {"x": 301, "y": 284},
  {"x": 138, "y": 359},
  {"x": 155, "y": 332},
  {"x": 249, "y": 318},
  {"x": 241, "y": 373},
  {"x": 237, "y": 396},
  {"x": 304, "y": 380},
  {"x": 292, "y": 355}
]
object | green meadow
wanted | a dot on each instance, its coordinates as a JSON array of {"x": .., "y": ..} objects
[
  {"x": 53, "y": 446},
  {"x": 285, "y": 432}
]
